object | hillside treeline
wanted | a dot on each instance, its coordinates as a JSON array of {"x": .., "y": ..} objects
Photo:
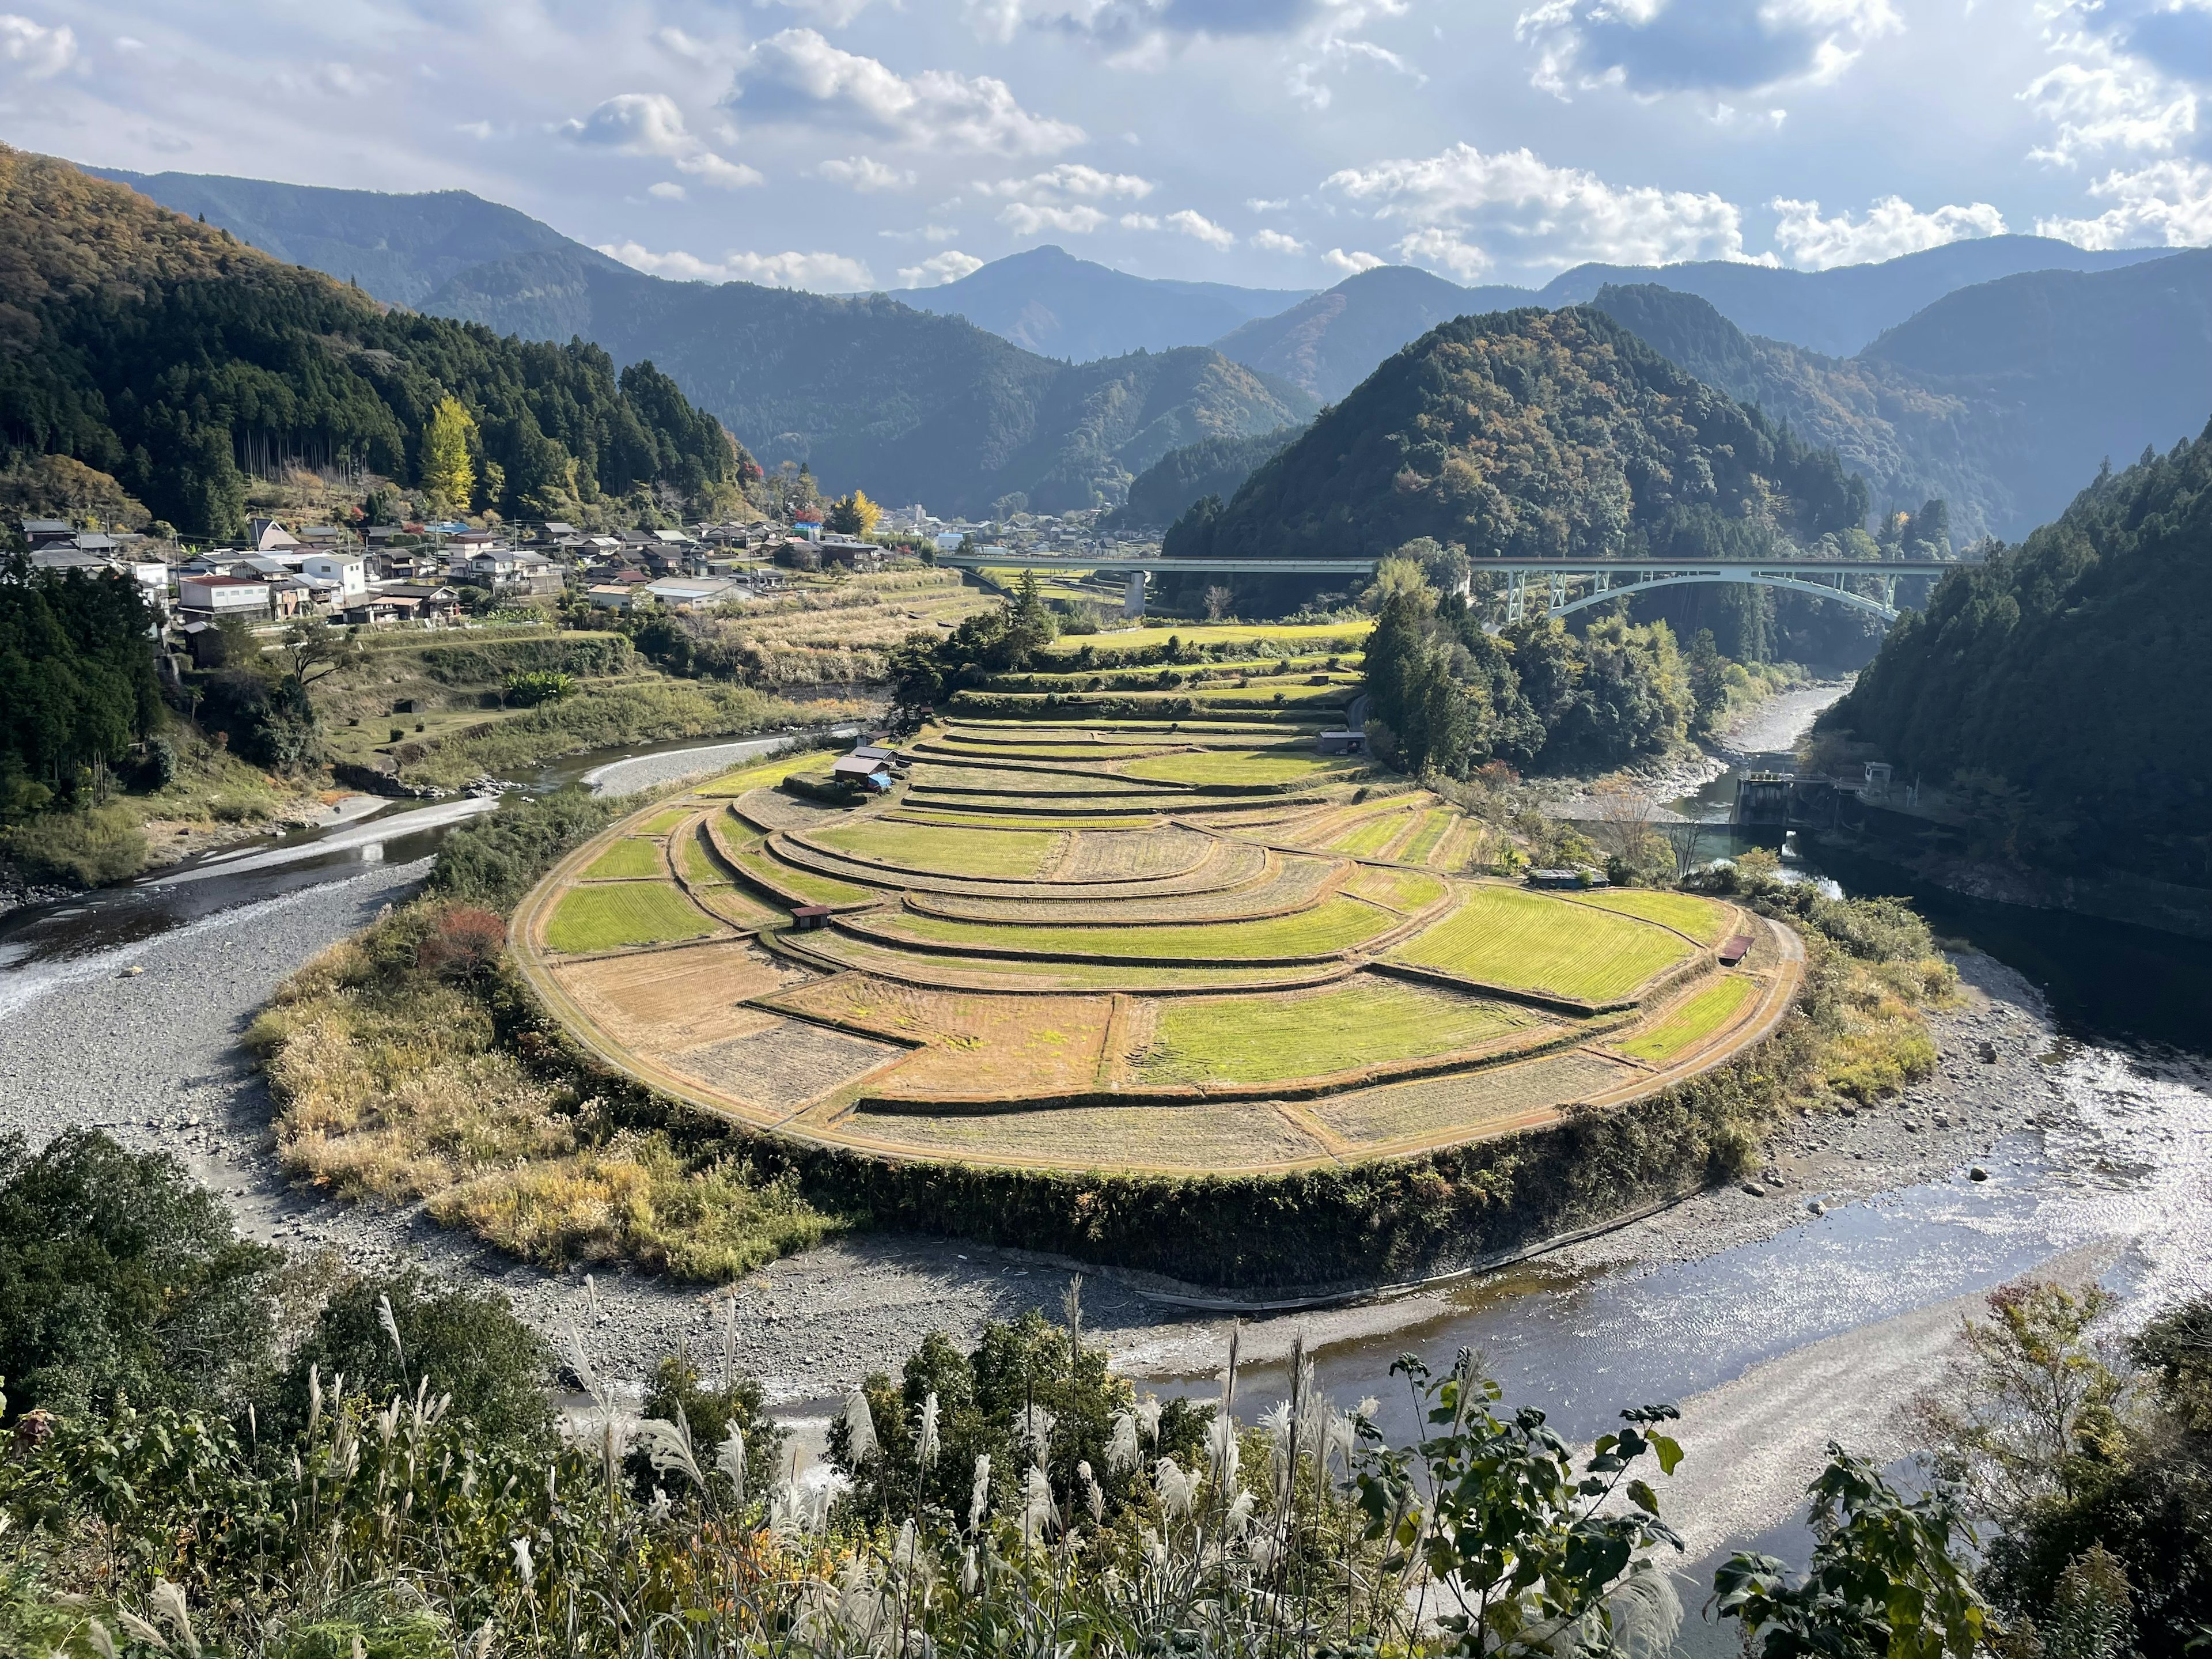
[
  {"x": 161, "y": 352},
  {"x": 2062, "y": 685},
  {"x": 76, "y": 679},
  {"x": 1531, "y": 433}
]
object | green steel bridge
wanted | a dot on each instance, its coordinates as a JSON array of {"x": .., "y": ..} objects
[{"x": 1559, "y": 586}]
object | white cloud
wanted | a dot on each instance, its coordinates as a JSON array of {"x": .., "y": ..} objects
[
  {"x": 932, "y": 232},
  {"x": 1546, "y": 216},
  {"x": 939, "y": 269},
  {"x": 338, "y": 80},
  {"x": 650, "y": 124},
  {"x": 1140, "y": 221},
  {"x": 475, "y": 128},
  {"x": 1433, "y": 246},
  {"x": 667, "y": 191},
  {"x": 1196, "y": 225},
  {"x": 1263, "y": 204},
  {"x": 1351, "y": 263},
  {"x": 864, "y": 174},
  {"x": 1654, "y": 47},
  {"x": 797, "y": 76},
  {"x": 1028, "y": 218},
  {"x": 2100, "y": 98},
  {"x": 1892, "y": 226},
  {"x": 1274, "y": 241},
  {"x": 34, "y": 51},
  {"x": 1071, "y": 179},
  {"x": 2165, "y": 204},
  {"x": 820, "y": 272}
]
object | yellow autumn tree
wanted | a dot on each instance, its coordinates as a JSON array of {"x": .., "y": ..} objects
[
  {"x": 854, "y": 515},
  {"x": 449, "y": 476}
]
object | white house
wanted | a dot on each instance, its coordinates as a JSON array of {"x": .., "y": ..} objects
[
  {"x": 347, "y": 572},
  {"x": 222, "y": 596}
]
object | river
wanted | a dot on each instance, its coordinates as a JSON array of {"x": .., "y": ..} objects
[{"x": 1774, "y": 1328}]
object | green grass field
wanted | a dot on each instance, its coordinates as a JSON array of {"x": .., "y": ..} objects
[
  {"x": 730, "y": 785},
  {"x": 1693, "y": 1018},
  {"x": 627, "y": 913},
  {"x": 1319, "y": 635},
  {"x": 1234, "y": 766},
  {"x": 662, "y": 822},
  {"x": 1700, "y": 918},
  {"x": 1266, "y": 1039},
  {"x": 873, "y": 955},
  {"x": 1409, "y": 890},
  {"x": 1336, "y": 924},
  {"x": 1019, "y": 853},
  {"x": 628, "y": 857},
  {"x": 1436, "y": 824},
  {"x": 809, "y": 886},
  {"x": 1368, "y": 838},
  {"x": 1504, "y": 936},
  {"x": 693, "y": 862}
]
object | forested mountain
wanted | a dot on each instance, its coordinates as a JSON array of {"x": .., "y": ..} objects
[
  {"x": 1212, "y": 466},
  {"x": 1046, "y": 300},
  {"x": 2063, "y": 685},
  {"x": 400, "y": 247},
  {"x": 1530, "y": 432},
  {"x": 1330, "y": 342},
  {"x": 153, "y": 349},
  {"x": 869, "y": 392}
]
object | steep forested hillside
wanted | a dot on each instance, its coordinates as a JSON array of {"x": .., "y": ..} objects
[
  {"x": 2065, "y": 683},
  {"x": 1331, "y": 343},
  {"x": 155, "y": 349},
  {"x": 869, "y": 392},
  {"x": 1530, "y": 432},
  {"x": 400, "y": 247},
  {"x": 1046, "y": 300},
  {"x": 1212, "y": 466}
]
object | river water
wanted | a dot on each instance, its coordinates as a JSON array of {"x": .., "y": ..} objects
[{"x": 2125, "y": 1172}]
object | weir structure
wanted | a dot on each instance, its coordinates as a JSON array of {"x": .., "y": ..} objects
[{"x": 1562, "y": 584}]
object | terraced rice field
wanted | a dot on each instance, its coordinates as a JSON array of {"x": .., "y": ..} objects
[
  {"x": 1145, "y": 978},
  {"x": 1524, "y": 941}
]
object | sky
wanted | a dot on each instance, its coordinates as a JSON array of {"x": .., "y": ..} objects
[{"x": 851, "y": 145}]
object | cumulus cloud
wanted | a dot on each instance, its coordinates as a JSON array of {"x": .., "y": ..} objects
[
  {"x": 1681, "y": 45},
  {"x": 1892, "y": 227},
  {"x": 2100, "y": 96},
  {"x": 1140, "y": 221},
  {"x": 799, "y": 76},
  {"x": 1462, "y": 207},
  {"x": 830, "y": 14},
  {"x": 650, "y": 124},
  {"x": 1274, "y": 241},
  {"x": 34, "y": 51},
  {"x": 2165, "y": 204},
  {"x": 667, "y": 191},
  {"x": 1029, "y": 218},
  {"x": 821, "y": 272},
  {"x": 1351, "y": 263},
  {"x": 939, "y": 269},
  {"x": 864, "y": 174},
  {"x": 1071, "y": 179},
  {"x": 1194, "y": 224}
]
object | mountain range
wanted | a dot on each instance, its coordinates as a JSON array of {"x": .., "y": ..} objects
[{"x": 1984, "y": 372}]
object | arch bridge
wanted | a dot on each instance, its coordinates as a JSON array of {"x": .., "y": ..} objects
[{"x": 1561, "y": 586}]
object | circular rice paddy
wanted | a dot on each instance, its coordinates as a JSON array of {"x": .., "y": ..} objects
[{"x": 1143, "y": 947}]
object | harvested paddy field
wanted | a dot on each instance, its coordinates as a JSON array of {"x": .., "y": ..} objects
[{"x": 1163, "y": 946}]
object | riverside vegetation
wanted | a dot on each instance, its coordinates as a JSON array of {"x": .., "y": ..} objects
[{"x": 223, "y": 1453}]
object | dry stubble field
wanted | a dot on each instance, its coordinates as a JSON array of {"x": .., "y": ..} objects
[{"x": 1145, "y": 947}]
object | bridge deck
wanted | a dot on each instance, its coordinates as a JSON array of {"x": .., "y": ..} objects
[{"x": 1045, "y": 561}]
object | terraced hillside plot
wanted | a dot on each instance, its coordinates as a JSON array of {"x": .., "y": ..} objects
[
  {"x": 632, "y": 856},
  {"x": 624, "y": 913},
  {"x": 1690, "y": 1021},
  {"x": 1245, "y": 766},
  {"x": 1530, "y": 942},
  {"x": 1011, "y": 854},
  {"x": 1702, "y": 919},
  {"x": 1334, "y": 924},
  {"x": 1020, "y": 975},
  {"x": 1364, "y": 1022}
]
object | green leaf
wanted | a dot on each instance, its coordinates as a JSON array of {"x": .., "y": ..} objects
[
  {"x": 1643, "y": 1497},
  {"x": 1669, "y": 1450}
]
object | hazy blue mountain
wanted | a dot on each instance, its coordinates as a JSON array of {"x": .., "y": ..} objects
[
  {"x": 398, "y": 247},
  {"x": 1049, "y": 301},
  {"x": 1332, "y": 342},
  {"x": 1841, "y": 310},
  {"x": 909, "y": 405}
]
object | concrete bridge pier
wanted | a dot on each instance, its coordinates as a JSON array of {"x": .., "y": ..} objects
[{"x": 1133, "y": 595}]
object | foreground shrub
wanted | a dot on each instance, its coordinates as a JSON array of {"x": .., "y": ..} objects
[{"x": 90, "y": 847}]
